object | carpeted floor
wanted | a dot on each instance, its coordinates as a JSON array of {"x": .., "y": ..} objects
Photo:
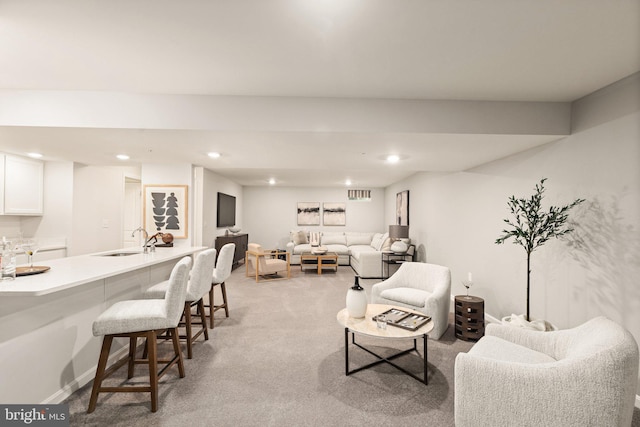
[{"x": 278, "y": 360}]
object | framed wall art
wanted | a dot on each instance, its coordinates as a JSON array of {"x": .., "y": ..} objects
[
  {"x": 402, "y": 208},
  {"x": 308, "y": 213},
  {"x": 166, "y": 210},
  {"x": 334, "y": 214}
]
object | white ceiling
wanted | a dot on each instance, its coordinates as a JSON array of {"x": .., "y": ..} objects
[{"x": 501, "y": 50}]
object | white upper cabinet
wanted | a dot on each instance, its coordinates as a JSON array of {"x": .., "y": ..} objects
[{"x": 23, "y": 186}]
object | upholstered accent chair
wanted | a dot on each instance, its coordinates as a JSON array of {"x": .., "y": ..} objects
[
  {"x": 585, "y": 376},
  {"x": 221, "y": 273},
  {"x": 144, "y": 318},
  {"x": 266, "y": 264},
  {"x": 421, "y": 287},
  {"x": 199, "y": 283}
]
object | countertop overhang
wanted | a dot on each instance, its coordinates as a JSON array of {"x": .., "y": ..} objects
[{"x": 78, "y": 270}]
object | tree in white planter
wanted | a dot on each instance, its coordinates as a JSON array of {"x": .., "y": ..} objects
[{"x": 531, "y": 227}]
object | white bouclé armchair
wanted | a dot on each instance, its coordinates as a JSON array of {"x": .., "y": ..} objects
[
  {"x": 421, "y": 287},
  {"x": 585, "y": 376}
]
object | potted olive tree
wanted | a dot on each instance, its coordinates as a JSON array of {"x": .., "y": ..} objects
[{"x": 531, "y": 226}]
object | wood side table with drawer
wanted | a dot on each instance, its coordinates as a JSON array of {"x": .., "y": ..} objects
[{"x": 469, "y": 317}]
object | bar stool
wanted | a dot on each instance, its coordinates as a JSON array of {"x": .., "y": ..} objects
[
  {"x": 220, "y": 275},
  {"x": 142, "y": 318},
  {"x": 197, "y": 288}
]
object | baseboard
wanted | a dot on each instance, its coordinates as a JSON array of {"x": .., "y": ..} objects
[
  {"x": 81, "y": 381},
  {"x": 490, "y": 319}
]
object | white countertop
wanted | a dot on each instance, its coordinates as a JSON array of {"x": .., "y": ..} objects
[{"x": 74, "y": 271}]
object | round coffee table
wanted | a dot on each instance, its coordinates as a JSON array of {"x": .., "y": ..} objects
[{"x": 367, "y": 326}]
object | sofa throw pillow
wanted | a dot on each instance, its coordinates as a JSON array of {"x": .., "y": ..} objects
[
  {"x": 358, "y": 238},
  {"x": 376, "y": 241},
  {"x": 386, "y": 245},
  {"x": 333, "y": 239},
  {"x": 299, "y": 237}
]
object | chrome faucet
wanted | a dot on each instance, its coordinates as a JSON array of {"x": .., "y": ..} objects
[{"x": 146, "y": 238}]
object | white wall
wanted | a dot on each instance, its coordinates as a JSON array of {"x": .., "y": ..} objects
[
  {"x": 212, "y": 183},
  {"x": 458, "y": 216},
  {"x": 270, "y": 213},
  {"x": 175, "y": 174}
]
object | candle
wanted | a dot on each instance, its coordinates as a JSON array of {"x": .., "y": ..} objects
[{"x": 469, "y": 277}]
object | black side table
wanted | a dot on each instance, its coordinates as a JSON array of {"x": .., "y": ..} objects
[
  {"x": 469, "y": 317},
  {"x": 393, "y": 258}
]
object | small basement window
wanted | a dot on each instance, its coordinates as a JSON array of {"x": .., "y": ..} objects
[{"x": 359, "y": 195}]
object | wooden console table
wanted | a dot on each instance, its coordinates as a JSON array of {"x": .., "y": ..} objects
[
  {"x": 241, "y": 241},
  {"x": 469, "y": 317}
]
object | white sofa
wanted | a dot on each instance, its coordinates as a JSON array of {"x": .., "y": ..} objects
[
  {"x": 585, "y": 376},
  {"x": 361, "y": 250}
]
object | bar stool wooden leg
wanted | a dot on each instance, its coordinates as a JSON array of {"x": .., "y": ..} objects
[
  {"x": 187, "y": 321},
  {"x": 102, "y": 364},
  {"x": 224, "y": 298},
  {"x": 153, "y": 368},
  {"x": 203, "y": 319},
  {"x": 133, "y": 342},
  {"x": 213, "y": 307},
  {"x": 176, "y": 350},
  {"x": 211, "y": 310}
]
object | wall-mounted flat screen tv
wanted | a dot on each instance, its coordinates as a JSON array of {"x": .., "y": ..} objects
[{"x": 226, "y": 210}]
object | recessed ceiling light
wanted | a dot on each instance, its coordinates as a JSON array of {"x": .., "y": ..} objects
[
  {"x": 393, "y": 158},
  {"x": 213, "y": 155},
  {"x": 35, "y": 155},
  {"x": 122, "y": 157},
  {"x": 272, "y": 181},
  {"x": 347, "y": 182}
]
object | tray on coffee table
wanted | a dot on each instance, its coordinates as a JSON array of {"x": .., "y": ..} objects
[{"x": 404, "y": 319}]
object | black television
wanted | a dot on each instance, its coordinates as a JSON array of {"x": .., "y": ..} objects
[{"x": 226, "y": 210}]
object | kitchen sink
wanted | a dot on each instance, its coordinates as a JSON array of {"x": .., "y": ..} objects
[{"x": 120, "y": 254}]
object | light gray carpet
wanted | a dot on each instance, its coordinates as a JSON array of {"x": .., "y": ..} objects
[{"x": 278, "y": 360}]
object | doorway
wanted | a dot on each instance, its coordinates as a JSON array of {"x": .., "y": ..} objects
[{"x": 132, "y": 211}]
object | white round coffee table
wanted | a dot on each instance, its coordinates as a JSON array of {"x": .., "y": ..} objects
[{"x": 367, "y": 326}]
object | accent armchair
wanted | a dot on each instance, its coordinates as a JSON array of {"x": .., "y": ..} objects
[
  {"x": 585, "y": 376},
  {"x": 266, "y": 264},
  {"x": 419, "y": 286}
]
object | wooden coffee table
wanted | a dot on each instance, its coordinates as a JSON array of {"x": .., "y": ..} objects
[
  {"x": 319, "y": 261},
  {"x": 367, "y": 326}
]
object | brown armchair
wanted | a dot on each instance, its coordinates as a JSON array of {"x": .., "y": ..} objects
[{"x": 266, "y": 263}]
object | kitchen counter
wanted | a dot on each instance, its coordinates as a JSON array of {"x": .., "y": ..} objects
[
  {"x": 75, "y": 271},
  {"x": 47, "y": 348}
]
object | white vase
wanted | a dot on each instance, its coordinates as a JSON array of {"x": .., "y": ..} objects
[{"x": 356, "y": 300}]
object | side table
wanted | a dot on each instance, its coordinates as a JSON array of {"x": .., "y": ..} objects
[
  {"x": 393, "y": 258},
  {"x": 469, "y": 317}
]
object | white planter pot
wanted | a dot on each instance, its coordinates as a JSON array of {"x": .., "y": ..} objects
[{"x": 519, "y": 321}]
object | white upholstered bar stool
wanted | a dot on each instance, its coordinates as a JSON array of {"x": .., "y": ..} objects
[
  {"x": 220, "y": 276},
  {"x": 196, "y": 290},
  {"x": 142, "y": 318}
]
